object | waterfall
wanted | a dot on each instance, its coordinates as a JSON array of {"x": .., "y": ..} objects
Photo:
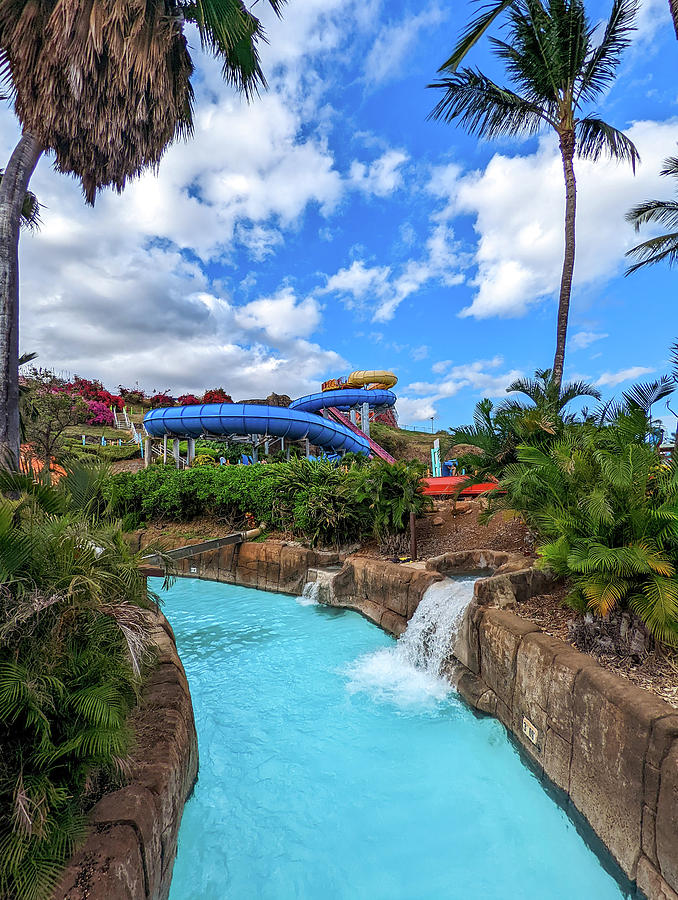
[
  {"x": 432, "y": 631},
  {"x": 410, "y": 673},
  {"x": 310, "y": 595}
]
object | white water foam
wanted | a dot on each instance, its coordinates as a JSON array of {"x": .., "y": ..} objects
[
  {"x": 411, "y": 672},
  {"x": 309, "y": 596}
]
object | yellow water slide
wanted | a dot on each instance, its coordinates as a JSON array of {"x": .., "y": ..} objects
[{"x": 372, "y": 379}]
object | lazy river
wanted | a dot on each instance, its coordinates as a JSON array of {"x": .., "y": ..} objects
[{"x": 332, "y": 769}]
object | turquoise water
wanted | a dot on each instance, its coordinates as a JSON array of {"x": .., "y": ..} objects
[{"x": 331, "y": 771}]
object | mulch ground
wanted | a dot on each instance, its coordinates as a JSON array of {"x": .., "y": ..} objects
[
  {"x": 656, "y": 671},
  {"x": 464, "y": 532}
]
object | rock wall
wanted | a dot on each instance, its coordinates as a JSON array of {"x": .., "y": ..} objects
[
  {"x": 610, "y": 746},
  {"x": 131, "y": 843},
  {"x": 274, "y": 566},
  {"x": 385, "y": 593}
]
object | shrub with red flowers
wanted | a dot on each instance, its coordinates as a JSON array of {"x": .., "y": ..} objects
[
  {"x": 132, "y": 395},
  {"x": 99, "y": 413},
  {"x": 94, "y": 390},
  {"x": 188, "y": 400},
  {"x": 217, "y": 395},
  {"x": 162, "y": 399}
]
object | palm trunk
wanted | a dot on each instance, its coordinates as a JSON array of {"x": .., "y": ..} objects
[
  {"x": 567, "y": 152},
  {"x": 12, "y": 193},
  {"x": 673, "y": 9}
]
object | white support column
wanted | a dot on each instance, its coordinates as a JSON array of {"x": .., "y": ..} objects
[
  {"x": 353, "y": 416},
  {"x": 308, "y": 448},
  {"x": 190, "y": 455},
  {"x": 365, "y": 419},
  {"x": 164, "y": 450},
  {"x": 266, "y": 445},
  {"x": 287, "y": 454},
  {"x": 175, "y": 451},
  {"x": 147, "y": 452}
]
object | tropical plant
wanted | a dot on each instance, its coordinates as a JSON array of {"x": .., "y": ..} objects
[
  {"x": 106, "y": 87},
  {"x": 392, "y": 492},
  {"x": 497, "y": 431},
  {"x": 73, "y": 643},
  {"x": 664, "y": 213},
  {"x": 490, "y": 12},
  {"x": 546, "y": 411},
  {"x": 605, "y": 508},
  {"x": 557, "y": 71},
  {"x": 46, "y": 412}
]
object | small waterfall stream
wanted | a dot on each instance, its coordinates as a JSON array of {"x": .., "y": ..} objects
[
  {"x": 432, "y": 630},
  {"x": 410, "y": 673}
]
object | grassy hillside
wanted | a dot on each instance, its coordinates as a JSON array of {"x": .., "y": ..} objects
[{"x": 406, "y": 445}]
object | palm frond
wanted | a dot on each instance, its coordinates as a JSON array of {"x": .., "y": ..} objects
[
  {"x": 473, "y": 32},
  {"x": 484, "y": 108},
  {"x": 595, "y": 138}
]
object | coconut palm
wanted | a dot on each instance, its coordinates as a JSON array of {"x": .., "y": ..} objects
[
  {"x": 664, "y": 247},
  {"x": 105, "y": 86},
  {"x": 477, "y": 27},
  {"x": 557, "y": 71}
]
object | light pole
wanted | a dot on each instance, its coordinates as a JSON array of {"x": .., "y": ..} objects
[{"x": 432, "y": 418}]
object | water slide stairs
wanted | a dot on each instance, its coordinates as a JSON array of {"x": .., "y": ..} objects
[{"x": 375, "y": 448}]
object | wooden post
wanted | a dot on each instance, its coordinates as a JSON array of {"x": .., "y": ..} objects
[{"x": 413, "y": 536}]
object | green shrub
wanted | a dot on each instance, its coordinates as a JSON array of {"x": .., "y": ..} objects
[
  {"x": 319, "y": 500},
  {"x": 73, "y": 641},
  {"x": 605, "y": 507}
]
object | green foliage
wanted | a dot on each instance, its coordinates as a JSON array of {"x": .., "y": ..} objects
[
  {"x": 604, "y": 504},
  {"x": 315, "y": 499},
  {"x": 497, "y": 431},
  {"x": 73, "y": 641}
]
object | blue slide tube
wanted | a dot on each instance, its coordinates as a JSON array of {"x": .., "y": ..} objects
[
  {"x": 219, "y": 419},
  {"x": 344, "y": 399}
]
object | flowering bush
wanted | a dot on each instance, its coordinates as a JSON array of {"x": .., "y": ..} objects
[
  {"x": 217, "y": 395},
  {"x": 163, "y": 399},
  {"x": 94, "y": 390},
  {"x": 188, "y": 400},
  {"x": 99, "y": 413},
  {"x": 132, "y": 395}
]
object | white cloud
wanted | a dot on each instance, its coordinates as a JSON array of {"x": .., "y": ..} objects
[
  {"x": 583, "y": 339},
  {"x": 385, "y": 61},
  {"x": 385, "y": 289},
  {"x": 518, "y": 203},
  {"x": 441, "y": 366},
  {"x": 381, "y": 177},
  {"x": 419, "y": 353},
  {"x": 612, "y": 379},
  {"x": 480, "y": 377}
]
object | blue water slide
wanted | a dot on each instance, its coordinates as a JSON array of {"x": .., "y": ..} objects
[
  {"x": 343, "y": 399},
  {"x": 220, "y": 419}
]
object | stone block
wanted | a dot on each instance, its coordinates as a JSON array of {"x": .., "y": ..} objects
[
  {"x": 667, "y": 818},
  {"x": 501, "y": 633},
  {"x": 651, "y": 883},
  {"x": 393, "y": 623},
  {"x": 566, "y": 667},
  {"x": 109, "y": 866},
  {"x": 534, "y": 661},
  {"x": 136, "y": 806},
  {"x": 611, "y": 736},
  {"x": 556, "y": 759}
]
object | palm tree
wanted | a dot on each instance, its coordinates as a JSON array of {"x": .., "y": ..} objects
[
  {"x": 663, "y": 248},
  {"x": 557, "y": 70},
  {"x": 546, "y": 410},
  {"x": 106, "y": 87},
  {"x": 477, "y": 27}
]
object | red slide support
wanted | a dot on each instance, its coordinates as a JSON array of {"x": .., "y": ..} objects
[
  {"x": 447, "y": 486},
  {"x": 374, "y": 446}
]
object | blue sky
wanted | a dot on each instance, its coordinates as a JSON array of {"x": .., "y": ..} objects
[{"x": 328, "y": 227}]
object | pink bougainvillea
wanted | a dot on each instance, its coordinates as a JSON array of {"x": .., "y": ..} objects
[
  {"x": 100, "y": 413},
  {"x": 217, "y": 395},
  {"x": 163, "y": 399},
  {"x": 188, "y": 400}
]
